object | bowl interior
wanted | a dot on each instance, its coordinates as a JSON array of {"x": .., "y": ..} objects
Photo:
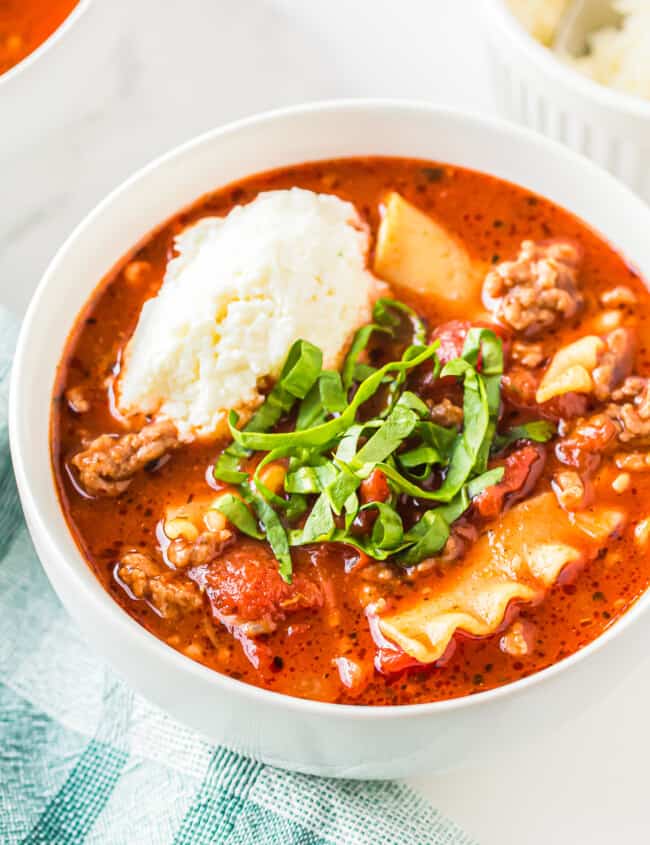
[{"x": 220, "y": 157}]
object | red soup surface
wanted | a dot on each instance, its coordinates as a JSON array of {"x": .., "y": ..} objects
[{"x": 522, "y": 574}]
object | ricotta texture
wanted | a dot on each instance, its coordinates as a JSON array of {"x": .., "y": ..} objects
[
  {"x": 620, "y": 58},
  {"x": 241, "y": 290}
]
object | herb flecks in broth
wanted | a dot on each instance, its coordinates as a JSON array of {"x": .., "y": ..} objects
[{"x": 457, "y": 503}]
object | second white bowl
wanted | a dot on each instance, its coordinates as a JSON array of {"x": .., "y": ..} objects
[{"x": 537, "y": 89}]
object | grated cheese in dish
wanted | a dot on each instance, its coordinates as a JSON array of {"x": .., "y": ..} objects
[
  {"x": 620, "y": 58},
  {"x": 539, "y": 17},
  {"x": 617, "y": 57}
]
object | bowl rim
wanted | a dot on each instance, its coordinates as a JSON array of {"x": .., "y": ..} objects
[
  {"x": 562, "y": 73},
  {"x": 45, "y": 46},
  {"x": 90, "y": 589}
]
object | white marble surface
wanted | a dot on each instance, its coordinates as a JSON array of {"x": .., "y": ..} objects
[{"x": 168, "y": 70}]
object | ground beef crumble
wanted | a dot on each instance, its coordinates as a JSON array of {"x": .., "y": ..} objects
[
  {"x": 108, "y": 464},
  {"x": 537, "y": 289}
]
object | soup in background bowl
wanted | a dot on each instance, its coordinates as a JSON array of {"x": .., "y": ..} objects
[
  {"x": 26, "y": 24},
  {"x": 43, "y": 49},
  {"x": 431, "y": 513}
]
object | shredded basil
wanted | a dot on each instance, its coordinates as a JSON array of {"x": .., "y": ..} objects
[
  {"x": 311, "y": 411},
  {"x": 275, "y": 535},
  {"x": 539, "y": 431},
  {"x": 298, "y": 375},
  {"x": 387, "y": 438},
  {"x": 310, "y": 479},
  {"x": 321, "y": 434},
  {"x": 319, "y": 526},
  {"x": 333, "y": 447},
  {"x": 326, "y": 396},
  {"x": 359, "y": 343},
  {"x": 382, "y": 315},
  {"x": 332, "y": 395},
  {"x": 387, "y": 531},
  {"x": 227, "y": 467},
  {"x": 487, "y": 479},
  {"x": 237, "y": 512},
  {"x": 428, "y": 536},
  {"x": 383, "y": 321}
]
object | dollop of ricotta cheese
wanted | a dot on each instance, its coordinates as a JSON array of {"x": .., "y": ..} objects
[{"x": 242, "y": 288}]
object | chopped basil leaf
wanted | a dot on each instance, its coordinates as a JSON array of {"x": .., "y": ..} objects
[
  {"x": 348, "y": 443},
  {"x": 301, "y": 369},
  {"x": 332, "y": 395},
  {"x": 238, "y": 513},
  {"x": 387, "y": 438},
  {"x": 296, "y": 506},
  {"x": 298, "y": 375},
  {"x": 359, "y": 343},
  {"x": 421, "y": 456},
  {"x": 311, "y": 411},
  {"x": 539, "y": 431},
  {"x": 484, "y": 343},
  {"x": 310, "y": 479},
  {"x": 325, "y": 397},
  {"x": 362, "y": 371},
  {"x": 382, "y": 315},
  {"x": 342, "y": 487},
  {"x": 275, "y": 535},
  {"x": 227, "y": 465},
  {"x": 487, "y": 479},
  {"x": 428, "y": 536},
  {"x": 319, "y": 526},
  {"x": 387, "y": 531},
  {"x": 439, "y": 438}
]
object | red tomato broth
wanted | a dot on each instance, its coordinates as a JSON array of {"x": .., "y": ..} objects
[
  {"x": 491, "y": 217},
  {"x": 26, "y": 24}
]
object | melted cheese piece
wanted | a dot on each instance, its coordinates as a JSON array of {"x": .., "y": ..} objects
[{"x": 516, "y": 561}]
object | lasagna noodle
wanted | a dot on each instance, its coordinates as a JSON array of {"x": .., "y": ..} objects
[{"x": 516, "y": 561}]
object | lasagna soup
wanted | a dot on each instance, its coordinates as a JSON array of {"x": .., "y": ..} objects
[{"x": 369, "y": 431}]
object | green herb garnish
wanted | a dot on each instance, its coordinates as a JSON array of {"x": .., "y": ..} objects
[
  {"x": 333, "y": 445},
  {"x": 539, "y": 431},
  {"x": 237, "y": 512}
]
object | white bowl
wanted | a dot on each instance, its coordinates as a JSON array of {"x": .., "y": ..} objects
[
  {"x": 537, "y": 89},
  {"x": 325, "y": 739},
  {"x": 42, "y": 89}
]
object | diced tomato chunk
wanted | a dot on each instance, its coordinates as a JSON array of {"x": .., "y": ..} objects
[
  {"x": 374, "y": 488},
  {"x": 244, "y": 583},
  {"x": 452, "y": 338},
  {"x": 522, "y": 470}
]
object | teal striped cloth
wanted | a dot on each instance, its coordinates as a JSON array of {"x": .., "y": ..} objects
[{"x": 83, "y": 759}]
